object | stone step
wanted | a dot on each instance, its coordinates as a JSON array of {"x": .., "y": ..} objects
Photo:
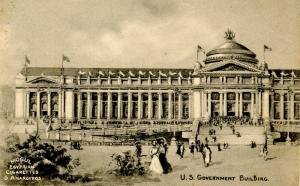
[{"x": 234, "y": 140}]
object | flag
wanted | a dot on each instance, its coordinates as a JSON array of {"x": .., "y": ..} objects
[
  {"x": 101, "y": 73},
  {"x": 293, "y": 74},
  {"x": 130, "y": 73},
  {"x": 282, "y": 73},
  {"x": 27, "y": 61},
  {"x": 162, "y": 74},
  {"x": 111, "y": 73},
  {"x": 274, "y": 74},
  {"x": 200, "y": 49},
  {"x": 172, "y": 73},
  {"x": 142, "y": 73},
  {"x": 121, "y": 73},
  {"x": 81, "y": 73},
  {"x": 151, "y": 73},
  {"x": 266, "y": 48},
  {"x": 180, "y": 74},
  {"x": 65, "y": 59}
]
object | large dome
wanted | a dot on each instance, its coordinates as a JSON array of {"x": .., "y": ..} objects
[{"x": 230, "y": 49}]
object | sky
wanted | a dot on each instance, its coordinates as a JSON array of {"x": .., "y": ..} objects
[{"x": 142, "y": 33}]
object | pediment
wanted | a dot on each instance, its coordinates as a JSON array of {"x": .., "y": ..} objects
[
  {"x": 42, "y": 80},
  {"x": 231, "y": 66}
]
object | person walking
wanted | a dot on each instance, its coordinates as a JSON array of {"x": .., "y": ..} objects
[
  {"x": 138, "y": 149},
  {"x": 197, "y": 145},
  {"x": 162, "y": 149},
  {"x": 182, "y": 150},
  {"x": 192, "y": 149},
  {"x": 265, "y": 152},
  {"x": 206, "y": 155},
  {"x": 219, "y": 147},
  {"x": 155, "y": 165}
]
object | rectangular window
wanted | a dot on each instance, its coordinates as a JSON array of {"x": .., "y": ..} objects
[
  {"x": 230, "y": 80},
  {"x": 215, "y": 80}
]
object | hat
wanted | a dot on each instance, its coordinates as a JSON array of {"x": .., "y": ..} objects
[{"x": 154, "y": 142}]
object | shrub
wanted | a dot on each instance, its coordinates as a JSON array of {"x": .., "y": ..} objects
[
  {"x": 50, "y": 162},
  {"x": 127, "y": 165}
]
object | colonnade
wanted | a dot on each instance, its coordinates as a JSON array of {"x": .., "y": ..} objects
[{"x": 130, "y": 105}]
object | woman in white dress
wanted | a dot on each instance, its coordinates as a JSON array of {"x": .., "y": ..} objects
[
  {"x": 206, "y": 155},
  {"x": 155, "y": 165}
]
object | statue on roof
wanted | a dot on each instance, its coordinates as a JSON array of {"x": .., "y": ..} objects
[
  {"x": 229, "y": 35},
  {"x": 197, "y": 67}
]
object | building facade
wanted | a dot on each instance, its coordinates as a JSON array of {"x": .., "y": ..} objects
[{"x": 230, "y": 82}]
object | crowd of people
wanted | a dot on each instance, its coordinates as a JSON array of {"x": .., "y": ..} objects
[
  {"x": 231, "y": 120},
  {"x": 158, "y": 152},
  {"x": 204, "y": 149}
]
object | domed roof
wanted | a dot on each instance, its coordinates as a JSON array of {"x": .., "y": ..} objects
[{"x": 230, "y": 49}]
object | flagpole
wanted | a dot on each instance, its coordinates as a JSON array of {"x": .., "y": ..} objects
[
  {"x": 264, "y": 57},
  {"x": 62, "y": 66},
  {"x": 25, "y": 66},
  {"x": 197, "y": 53},
  {"x": 61, "y": 91}
]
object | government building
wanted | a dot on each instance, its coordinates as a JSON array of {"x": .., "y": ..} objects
[{"x": 229, "y": 83}]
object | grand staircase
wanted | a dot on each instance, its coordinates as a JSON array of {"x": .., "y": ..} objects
[{"x": 243, "y": 135}]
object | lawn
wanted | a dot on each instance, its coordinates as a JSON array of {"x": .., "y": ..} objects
[{"x": 281, "y": 168}]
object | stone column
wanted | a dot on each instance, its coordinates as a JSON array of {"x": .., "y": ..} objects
[
  {"x": 179, "y": 106},
  {"x": 282, "y": 105},
  {"x": 191, "y": 110},
  {"x": 59, "y": 105},
  {"x": 88, "y": 110},
  {"x": 252, "y": 105},
  {"x": 170, "y": 105},
  {"x": 292, "y": 106},
  {"x": 150, "y": 104},
  {"x": 159, "y": 105},
  {"x": 265, "y": 105},
  {"x": 79, "y": 105},
  {"x": 236, "y": 104},
  {"x": 48, "y": 103},
  {"x": 99, "y": 105},
  {"x": 260, "y": 103},
  {"x": 241, "y": 104},
  {"x": 38, "y": 104},
  {"x": 197, "y": 104},
  {"x": 27, "y": 104},
  {"x": 63, "y": 104},
  {"x": 109, "y": 94},
  {"x": 119, "y": 105},
  {"x": 19, "y": 101},
  {"x": 140, "y": 108},
  {"x": 209, "y": 104},
  {"x": 204, "y": 104},
  {"x": 69, "y": 105},
  {"x": 129, "y": 105},
  {"x": 221, "y": 105},
  {"x": 225, "y": 104},
  {"x": 272, "y": 106},
  {"x": 256, "y": 105}
]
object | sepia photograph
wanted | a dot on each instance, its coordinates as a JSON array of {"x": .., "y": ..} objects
[{"x": 150, "y": 92}]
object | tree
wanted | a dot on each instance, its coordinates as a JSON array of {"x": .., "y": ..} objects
[{"x": 46, "y": 161}]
